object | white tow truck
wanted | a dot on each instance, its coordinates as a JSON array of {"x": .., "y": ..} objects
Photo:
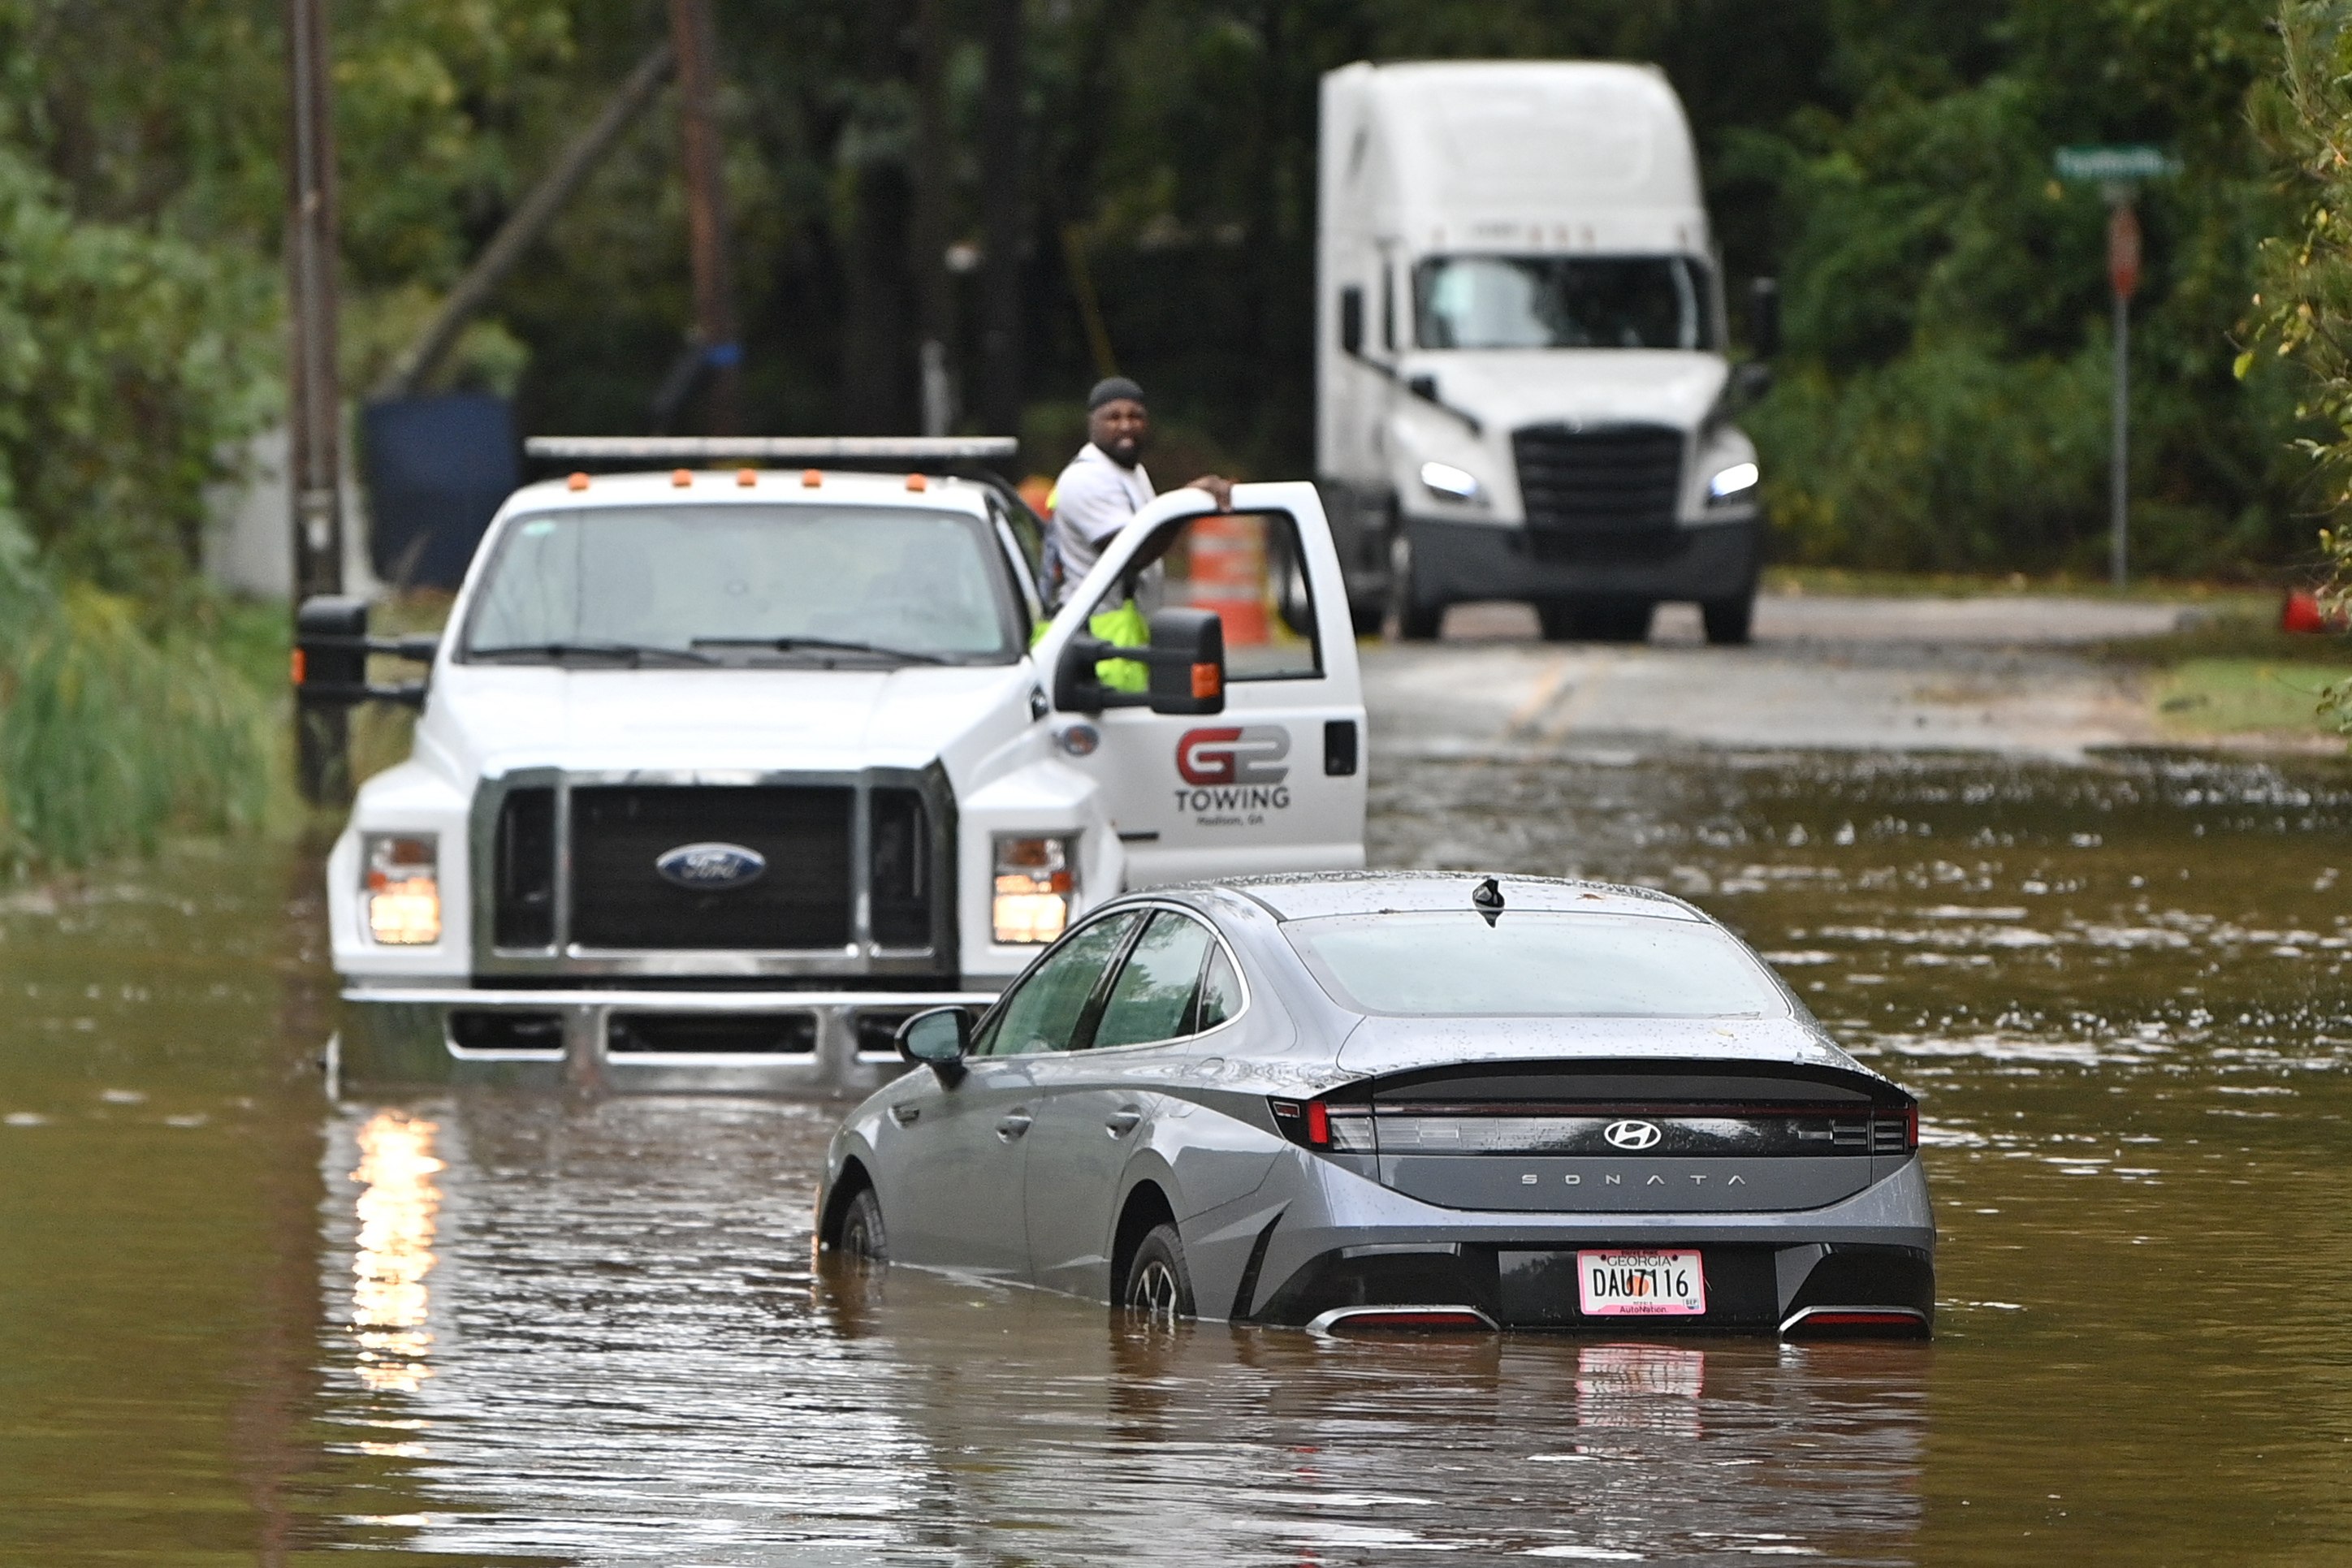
[{"x": 721, "y": 771}]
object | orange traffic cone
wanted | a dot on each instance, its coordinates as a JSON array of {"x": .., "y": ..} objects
[{"x": 1229, "y": 575}]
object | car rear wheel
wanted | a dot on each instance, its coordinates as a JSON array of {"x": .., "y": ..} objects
[
  {"x": 862, "y": 1236},
  {"x": 1159, "y": 1288}
]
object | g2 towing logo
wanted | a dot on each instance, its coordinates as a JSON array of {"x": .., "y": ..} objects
[{"x": 1234, "y": 770}]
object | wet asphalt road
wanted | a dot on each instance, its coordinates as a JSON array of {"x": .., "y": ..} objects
[{"x": 2003, "y": 676}]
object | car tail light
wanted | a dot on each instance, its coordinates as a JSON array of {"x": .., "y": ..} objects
[
  {"x": 1035, "y": 881},
  {"x": 400, "y": 888},
  {"x": 1860, "y": 1322},
  {"x": 1894, "y": 1132},
  {"x": 1403, "y": 1319},
  {"x": 1332, "y": 1129}
]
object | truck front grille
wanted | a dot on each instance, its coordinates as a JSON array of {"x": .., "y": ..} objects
[
  {"x": 1627, "y": 479},
  {"x": 802, "y": 900}
]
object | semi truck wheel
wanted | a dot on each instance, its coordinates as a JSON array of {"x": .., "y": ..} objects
[
  {"x": 1415, "y": 621},
  {"x": 1729, "y": 621}
]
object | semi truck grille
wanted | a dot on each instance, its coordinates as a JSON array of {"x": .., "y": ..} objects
[
  {"x": 801, "y": 900},
  {"x": 1622, "y": 480}
]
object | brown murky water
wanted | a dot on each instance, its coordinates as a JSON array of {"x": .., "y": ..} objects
[{"x": 238, "y": 1325}]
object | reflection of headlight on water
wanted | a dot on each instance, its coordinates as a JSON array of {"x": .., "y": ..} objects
[
  {"x": 389, "y": 1300},
  {"x": 1446, "y": 480},
  {"x": 1732, "y": 480}
]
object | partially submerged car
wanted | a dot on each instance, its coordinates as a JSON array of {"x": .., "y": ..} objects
[{"x": 1401, "y": 1101}]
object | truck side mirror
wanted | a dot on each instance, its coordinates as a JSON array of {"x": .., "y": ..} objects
[
  {"x": 1351, "y": 320},
  {"x": 331, "y": 653},
  {"x": 330, "y": 649},
  {"x": 1764, "y": 317},
  {"x": 1188, "y": 662},
  {"x": 1185, "y": 666}
]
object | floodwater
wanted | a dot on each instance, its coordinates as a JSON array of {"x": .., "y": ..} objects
[{"x": 238, "y": 1325}]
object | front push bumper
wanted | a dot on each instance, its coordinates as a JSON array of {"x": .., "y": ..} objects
[
  {"x": 830, "y": 1045},
  {"x": 1454, "y": 562}
]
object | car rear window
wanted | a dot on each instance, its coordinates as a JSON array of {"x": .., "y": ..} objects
[{"x": 1535, "y": 964}]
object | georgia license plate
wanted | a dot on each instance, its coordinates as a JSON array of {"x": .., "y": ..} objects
[{"x": 1640, "y": 1284}]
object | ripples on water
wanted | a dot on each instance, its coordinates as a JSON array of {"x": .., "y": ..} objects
[{"x": 491, "y": 1330}]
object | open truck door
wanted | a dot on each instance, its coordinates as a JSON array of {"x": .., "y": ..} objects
[{"x": 1229, "y": 747}]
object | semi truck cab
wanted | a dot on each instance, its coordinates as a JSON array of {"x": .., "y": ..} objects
[
  {"x": 722, "y": 772},
  {"x": 1523, "y": 392}
]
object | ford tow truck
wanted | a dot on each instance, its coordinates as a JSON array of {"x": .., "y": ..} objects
[{"x": 723, "y": 769}]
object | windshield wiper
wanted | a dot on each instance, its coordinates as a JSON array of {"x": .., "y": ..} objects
[
  {"x": 631, "y": 654},
  {"x": 823, "y": 644}
]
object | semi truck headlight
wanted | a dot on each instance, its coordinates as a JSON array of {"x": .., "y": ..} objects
[
  {"x": 1034, "y": 883},
  {"x": 1446, "y": 480},
  {"x": 1732, "y": 480},
  {"x": 400, "y": 888}
]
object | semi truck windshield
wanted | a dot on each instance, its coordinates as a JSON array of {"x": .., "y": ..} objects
[
  {"x": 746, "y": 585},
  {"x": 1560, "y": 302}
]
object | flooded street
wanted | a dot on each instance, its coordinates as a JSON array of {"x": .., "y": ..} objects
[{"x": 244, "y": 1324}]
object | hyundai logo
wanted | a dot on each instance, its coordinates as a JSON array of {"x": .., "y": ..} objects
[
  {"x": 1633, "y": 1135},
  {"x": 711, "y": 868}
]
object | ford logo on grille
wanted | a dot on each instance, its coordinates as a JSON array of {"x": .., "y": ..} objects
[
  {"x": 711, "y": 868},
  {"x": 1631, "y": 1134}
]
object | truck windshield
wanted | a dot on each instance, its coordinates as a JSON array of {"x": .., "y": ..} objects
[
  {"x": 1560, "y": 302},
  {"x": 746, "y": 584}
]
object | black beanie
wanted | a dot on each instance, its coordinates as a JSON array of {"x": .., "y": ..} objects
[{"x": 1110, "y": 390}]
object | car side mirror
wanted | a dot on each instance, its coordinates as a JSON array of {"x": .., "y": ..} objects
[
  {"x": 1185, "y": 665},
  {"x": 1764, "y": 317},
  {"x": 1351, "y": 320},
  {"x": 939, "y": 1038}
]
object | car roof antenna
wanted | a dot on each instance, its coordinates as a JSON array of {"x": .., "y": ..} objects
[{"x": 1487, "y": 899}]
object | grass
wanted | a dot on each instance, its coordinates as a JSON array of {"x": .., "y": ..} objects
[
  {"x": 1829, "y": 581},
  {"x": 2204, "y": 697}
]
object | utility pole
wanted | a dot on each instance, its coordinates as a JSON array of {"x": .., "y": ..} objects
[
  {"x": 1001, "y": 219},
  {"x": 314, "y": 401},
  {"x": 2123, "y": 277},
  {"x": 695, "y": 41},
  {"x": 929, "y": 230}
]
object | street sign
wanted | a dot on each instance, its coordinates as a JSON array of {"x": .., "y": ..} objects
[{"x": 2109, "y": 164}]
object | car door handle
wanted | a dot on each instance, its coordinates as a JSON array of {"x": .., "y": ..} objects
[
  {"x": 905, "y": 1115},
  {"x": 1013, "y": 1127},
  {"x": 1122, "y": 1121}
]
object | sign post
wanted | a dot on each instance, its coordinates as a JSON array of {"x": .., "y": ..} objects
[{"x": 2118, "y": 172}]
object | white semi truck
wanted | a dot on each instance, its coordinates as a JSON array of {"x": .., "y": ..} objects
[
  {"x": 1522, "y": 389},
  {"x": 721, "y": 773}
]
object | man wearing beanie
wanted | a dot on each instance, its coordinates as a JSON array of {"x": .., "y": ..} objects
[{"x": 1105, "y": 484}]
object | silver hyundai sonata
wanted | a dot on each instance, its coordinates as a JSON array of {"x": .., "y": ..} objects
[{"x": 1375, "y": 1101}]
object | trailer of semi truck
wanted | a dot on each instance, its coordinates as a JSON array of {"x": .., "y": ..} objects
[
  {"x": 722, "y": 772},
  {"x": 1523, "y": 392}
]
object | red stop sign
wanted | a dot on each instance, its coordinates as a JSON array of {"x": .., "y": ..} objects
[{"x": 2123, "y": 252}]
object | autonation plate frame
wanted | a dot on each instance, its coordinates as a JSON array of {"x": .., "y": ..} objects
[{"x": 1620, "y": 1282}]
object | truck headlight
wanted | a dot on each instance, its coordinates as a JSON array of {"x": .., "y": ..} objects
[
  {"x": 1731, "y": 481},
  {"x": 400, "y": 888},
  {"x": 1034, "y": 883},
  {"x": 1446, "y": 480}
]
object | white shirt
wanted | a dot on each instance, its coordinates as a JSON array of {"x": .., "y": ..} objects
[{"x": 1093, "y": 500}]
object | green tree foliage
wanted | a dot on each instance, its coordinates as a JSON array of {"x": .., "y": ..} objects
[{"x": 2304, "y": 312}]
